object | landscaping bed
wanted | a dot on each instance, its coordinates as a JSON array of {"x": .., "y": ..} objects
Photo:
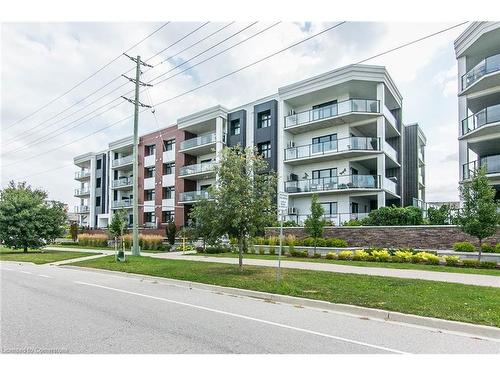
[{"x": 466, "y": 303}]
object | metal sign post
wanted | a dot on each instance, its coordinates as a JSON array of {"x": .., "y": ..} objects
[{"x": 282, "y": 207}]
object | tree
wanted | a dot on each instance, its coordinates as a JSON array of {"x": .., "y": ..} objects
[
  {"x": 205, "y": 223},
  {"x": 73, "y": 231},
  {"x": 27, "y": 219},
  {"x": 314, "y": 223},
  {"x": 479, "y": 215},
  {"x": 170, "y": 232},
  {"x": 440, "y": 215},
  {"x": 118, "y": 224},
  {"x": 244, "y": 195}
]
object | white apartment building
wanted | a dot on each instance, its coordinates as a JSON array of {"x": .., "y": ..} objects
[
  {"x": 338, "y": 135},
  {"x": 478, "y": 56}
]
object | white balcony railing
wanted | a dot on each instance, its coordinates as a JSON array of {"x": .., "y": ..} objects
[
  {"x": 83, "y": 191},
  {"x": 390, "y": 185},
  {"x": 121, "y": 182},
  {"x": 82, "y": 209},
  {"x": 389, "y": 150},
  {"x": 123, "y": 161},
  {"x": 81, "y": 175},
  {"x": 124, "y": 203},
  {"x": 198, "y": 141},
  {"x": 196, "y": 168}
]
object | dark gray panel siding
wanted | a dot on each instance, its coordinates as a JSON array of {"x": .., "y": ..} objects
[
  {"x": 102, "y": 190},
  {"x": 233, "y": 140},
  {"x": 410, "y": 165},
  {"x": 270, "y": 133}
]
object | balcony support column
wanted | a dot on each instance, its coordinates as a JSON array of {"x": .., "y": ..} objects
[
  {"x": 219, "y": 139},
  {"x": 381, "y": 95}
]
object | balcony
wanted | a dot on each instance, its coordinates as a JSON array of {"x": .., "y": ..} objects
[
  {"x": 489, "y": 65},
  {"x": 82, "y": 209},
  {"x": 488, "y": 115},
  {"x": 389, "y": 150},
  {"x": 336, "y": 183},
  {"x": 334, "y": 219},
  {"x": 124, "y": 203},
  {"x": 332, "y": 150},
  {"x": 197, "y": 170},
  {"x": 82, "y": 192},
  {"x": 390, "y": 186},
  {"x": 122, "y": 183},
  {"x": 81, "y": 175},
  {"x": 199, "y": 145},
  {"x": 347, "y": 111},
  {"x": 123, "y": 162},
  {"x": 193, "y": 196},
  {"x": 491, "y": 163}
]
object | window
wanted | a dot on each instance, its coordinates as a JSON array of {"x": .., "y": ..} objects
[
  {"x": 324, "y": 110},
  {"x": 169, "y": 145},
  {"x": 324, "y": 175},
  {"x": 264, "y": 119},
  {"x": 330, "y": 208},
  {"x": 98, "y": 182},
  {"x": 149, "y": 172},
  {"x": 168, "y": 168},
  {"x": 235, "y": 127},
  {"x": 166, "y": 216},
  {"x": 168, "y": 192},
  {"x": 149, "y": 195},
  {"x": 115, "y": 195},
  {"x": 149, "y": 217},
  {"x": 204, "y": 187},
  {"x": 324, "y": 143},
  {"x": 99, "y": 163},
  {"x": 264, "y": 149},
  {"x": 98, "y": 201},
  {"x": 149, "y": 150}
]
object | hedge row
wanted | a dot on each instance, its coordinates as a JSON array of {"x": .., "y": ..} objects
[
  {"x": 291, "y": 240},
  {"x": 468, "y": 247}
]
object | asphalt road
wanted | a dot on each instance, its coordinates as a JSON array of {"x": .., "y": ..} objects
[{"x": 53, "y": 309}]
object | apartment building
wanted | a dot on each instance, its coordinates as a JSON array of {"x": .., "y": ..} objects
[
  {"x": 414, "y": 159},
  {"x": 339, "y": 135},
  {"x": 477, "y": 51}
]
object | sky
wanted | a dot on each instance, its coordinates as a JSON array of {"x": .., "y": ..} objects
[{"x": 40, "y": 61}]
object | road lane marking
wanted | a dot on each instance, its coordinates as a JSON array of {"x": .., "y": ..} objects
[
  {"x": 46, "y": 276},
  {"x": 247, "y": 318},
  {"x": 27, "y": 272}
]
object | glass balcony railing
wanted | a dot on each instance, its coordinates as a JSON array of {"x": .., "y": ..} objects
[
  {"x": 488, "y": 65},
  {"x": 491, "y": 163},
  {"x": 83, "y": 191},
  {"x": 486, "y": 116},
  {"x": 338, "y": 145},
  {"x": 82, "y": 209},
  {"x": 198, "y": 141},
  {"x": 192, "y": 196},
  {"x": 390, "y": 151},
  {"x": 122, "y": 182},
  {"x": 82, "y": 174},
  {"x": 347, "y": 106},
  {"x": 196, "y": 168},
  {"x": 122, "y": 203},
  {"x": 122, "y": 161},
  {"x": 333, "y": 183}
]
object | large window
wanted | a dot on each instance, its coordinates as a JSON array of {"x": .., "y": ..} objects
[
  {"x": 98, "y": 182},
  {"x": 149, "y": 217},
  {"x": 235, "y": 127},
  {"x": 324, "y": 143},
  {"x": 168, "y": 168},
  {"x": 330, "y": 208},
  {"x": 324, "y": 175},
  {"x": 264, "y": 119},
  {"x": 264, "y": 149},
  {"x": 97, "y": 201},
  {"x": 149, "y": 172},
  {"x": 168, "y": 192},
  {"x": 99, "y": 164},
  {"x": 169, "y": 145},
  {"x": 149, "y": 150},
  {"x": 149, "y": 195},
  {"x": 166, "y": 216}
]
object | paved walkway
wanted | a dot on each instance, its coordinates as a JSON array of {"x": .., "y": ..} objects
[{"x": 452, "y": 277}]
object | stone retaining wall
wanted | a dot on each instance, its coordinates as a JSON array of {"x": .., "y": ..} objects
[{"x": 418, "y": 236}]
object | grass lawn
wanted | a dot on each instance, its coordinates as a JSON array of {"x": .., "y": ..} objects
[
  {"x": 77, "y": 247},
  {"x": 467, "y": 303},
  {"x": 38, "y": 256},
  {"x": 409, "y": 266}
]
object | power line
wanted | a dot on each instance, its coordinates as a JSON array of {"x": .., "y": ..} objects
[
  {"x": 107, "y": 84},
  {"x": 48, "y": 136},
  {"x": 86, "y": 79},
  {"x": 256, "y": 62}
]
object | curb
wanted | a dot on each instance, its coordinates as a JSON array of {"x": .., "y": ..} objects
[{"x": 468, "y": 329}]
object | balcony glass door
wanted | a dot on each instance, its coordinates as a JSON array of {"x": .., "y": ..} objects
[
  {"x": 324, "y": 110},
  {"x": 324, "y": 144}
]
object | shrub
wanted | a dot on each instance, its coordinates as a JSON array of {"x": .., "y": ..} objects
[
  {"x": 488, "y": 265},
  {"x": 497, "y": 248},
  {"x": 336, "y": 242},
  {"x": 403, "y": 256},
  {"x": 464, "y": 246},
  {"x": 299, "y": 254},
  {"x": 272, "y": 251},
  {"x": 146, "y": 241},
  {"x": 394, "y": 216},
  {"x": 424, "y": 257},
  {"x": 97, "y": 240},
  {"x": 215, "y": 250},
  {"x": 487, "y": 248},
  {"x": 308, "y": 241},
  {"x": 360, "y": 255},
  {"x": 262, "y": 251},
  {"x": 331, "y": 256},
  {"x": 290, "y": 240},
  {"x": 317, "y": 255},
  {"x": 451, "y": 260},
  {"x": 471, "y": 263},
  {"x": 345, "y": 255},
  {"x": 381, "y": 255},
  {"x": 321, "y": 242},
  {"x": 352, "y": 223}
]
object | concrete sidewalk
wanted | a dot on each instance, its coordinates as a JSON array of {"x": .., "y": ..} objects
[{"x": 452, "y": 277}]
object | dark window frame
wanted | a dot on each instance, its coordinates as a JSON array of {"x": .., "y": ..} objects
[{"x": 264, "y": 119}]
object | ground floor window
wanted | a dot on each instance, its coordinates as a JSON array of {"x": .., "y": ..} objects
[{"x": 166, "y": 216}]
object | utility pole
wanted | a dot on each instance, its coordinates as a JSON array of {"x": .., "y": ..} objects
[{"x": 135, "y": 170}]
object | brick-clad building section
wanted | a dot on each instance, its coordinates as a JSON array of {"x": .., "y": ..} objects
[
  {"x": 181, "y": 184},
  {"x": 418, "y": 237}
]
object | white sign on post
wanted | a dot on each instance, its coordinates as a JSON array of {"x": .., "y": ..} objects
[{"x": 282, "y": 202}]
